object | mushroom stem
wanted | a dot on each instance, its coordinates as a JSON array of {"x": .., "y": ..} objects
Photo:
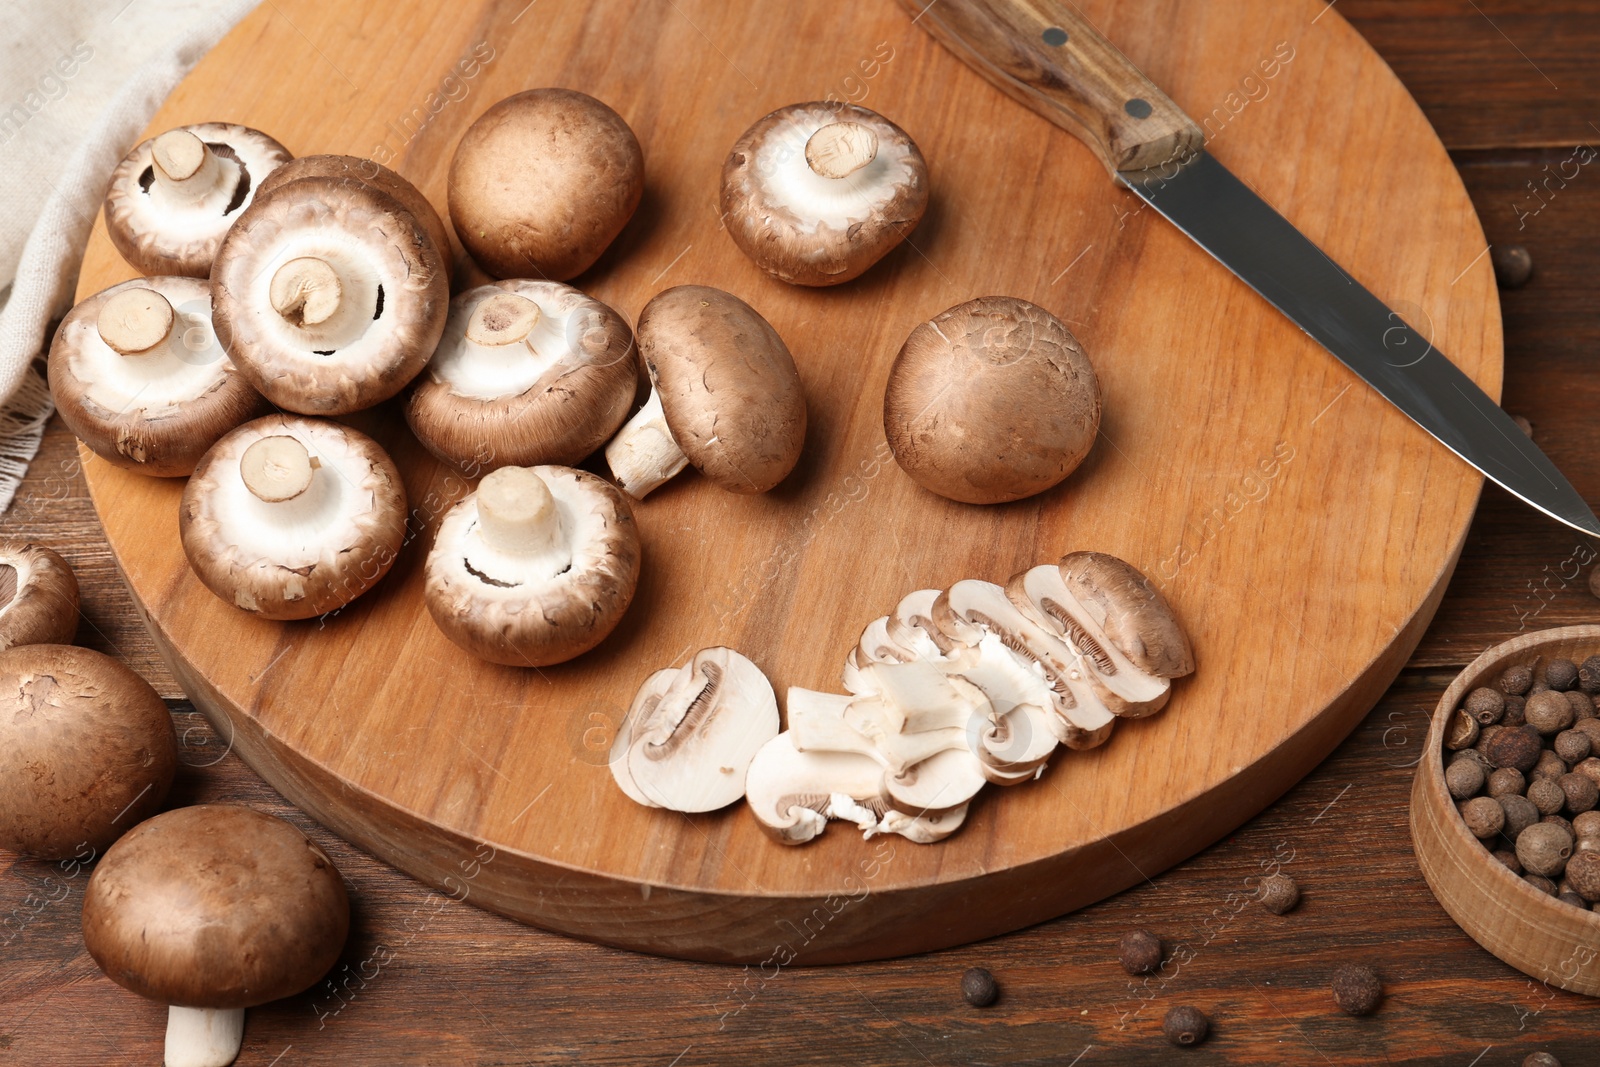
[
  {"x": 839, "y": 149},
  {"x": 306, "y": 291},
  {"x": 502, "y": 319},
  {"x": 644, "y": 454},
  {"x": 516, "y": 513},
  {"x": 277, "y": 468},
  {"x": 185, "y": 167},
  {"x": 135, "y": 321},
  {"x": 203, "y": 1037}
]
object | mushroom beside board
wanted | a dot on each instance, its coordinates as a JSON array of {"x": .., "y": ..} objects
[
  {"x": 971, "y": 685},
  {"x": 138, "y": 375},
  {"x": 535, "y": 567},
  {"x": 173, "y": 197},
  {"x": 212, "y": 910},
  {"x": 725, "y": 396},
  {"x": 329, "y": 295},
  {"x": 289, "y": 518},
  {"x": 38, "y": 596},
  {"x": 817, "y": 193},
  {"x": 542, "y": 182},
  {"x": 528, "y": 373},
  {"x": 87, "y": 751},
  {"x": 691, "y": 732},
  {"x": 990, "y": 401}
]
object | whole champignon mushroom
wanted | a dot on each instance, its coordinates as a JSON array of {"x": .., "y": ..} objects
[
  {"x": 173, "y": 197},
  {"x": 87, "y": 751},
  {"x": 366, "y": 171},
  {"x": 38, "y": 596},
  {"x": 212, "y": 910},
  {"x": 329, "y": 295},
  {"x": 534, "y": 568},
  {"x": 688, "y": 739},
  {"x": 990, "y": 401},
  {"x": 725, "y": 396},
  {"x": 289, "y": 518},
  {"x": 542, "y": 182},
  {"x": 138, "y": 375},
  {"x": 817, "y": 193},
  {"x": 528, "y": 373}
]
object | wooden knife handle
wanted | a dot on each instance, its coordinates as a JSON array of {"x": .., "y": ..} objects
[{"x": 1044, "y": 54}]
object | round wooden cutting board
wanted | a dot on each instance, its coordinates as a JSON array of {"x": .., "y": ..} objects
[{"x": 1303, "y": 528}]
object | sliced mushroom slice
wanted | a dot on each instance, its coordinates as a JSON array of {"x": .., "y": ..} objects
[
  {"x": 354, "y": 168},
  {"x": 329, "y": 295},
  {"x": 641, "y": 710},
  {"x": 1126, "y": 689},
  {"x": 693, "y": 746},
  {"x": 290, "y": 518},
  {"x": 911, "y": 626},
  {"x": 38, "y": 596},
  {"x": 528, "y": 373},
  {"x": 793, "y": 794},
  {"x": 925, "y": 828},
  {"x": 941, "y": 783},
  {"x": 138, "y": 375},
  {"x": 1136, "y": 619},
  {"x": 536, "y": 567},
  {"x": 725, "y": 396},
  {"x": 816, "y": 193},
  {"x": 173, "y": 197},
  {"x": 1019, "y": 738},
  {"x": 969, "y": 609}
]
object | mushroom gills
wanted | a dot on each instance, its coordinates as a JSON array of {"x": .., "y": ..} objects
[
  {"x": 203, "y": 1037},
  {"x": 1126, "y": 689},
  {"x": 644, "y": 455},
  {"x": 911, "y": 626},
  {"x": 969, "y": 609},
  {"x": 693, "y": 732}
]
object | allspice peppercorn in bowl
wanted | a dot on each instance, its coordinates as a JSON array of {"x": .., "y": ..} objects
[{"x": 1486, "y": 883}]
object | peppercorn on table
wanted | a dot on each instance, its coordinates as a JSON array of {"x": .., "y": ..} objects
[{"x": 427, "y": 979}]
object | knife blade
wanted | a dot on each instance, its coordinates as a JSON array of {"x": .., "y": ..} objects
[{"x": 1047, "y": 56}]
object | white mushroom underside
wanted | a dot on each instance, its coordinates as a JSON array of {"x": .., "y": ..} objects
[
  {"x": 352, "y": 335},
  {"x": 315, "y": 526},
  {"x": 490, "y": 372},
  {"x": 183, "y": 368},
  {"x": 518, "y": 581},
  {"x": 181, "y": 220},
  {"x": 816, "y": 201}
]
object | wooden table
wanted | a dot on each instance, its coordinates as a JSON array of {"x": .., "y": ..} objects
[{"x": 1511, "y": 86}]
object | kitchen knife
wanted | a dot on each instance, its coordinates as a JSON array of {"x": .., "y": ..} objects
[{"x": 1046, "y": 55}]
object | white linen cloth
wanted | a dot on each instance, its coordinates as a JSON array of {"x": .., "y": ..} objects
[{"x": 79, "y": 80}]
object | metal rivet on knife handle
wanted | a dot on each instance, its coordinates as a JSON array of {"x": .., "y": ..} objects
[{"x": 1093, "y": 91}]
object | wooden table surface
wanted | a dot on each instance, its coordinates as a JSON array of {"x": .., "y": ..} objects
[{"x": 1512, "y": 87}]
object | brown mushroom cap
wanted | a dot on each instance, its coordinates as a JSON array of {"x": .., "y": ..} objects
[
  {"x": 1131, "y": 611},
  {"x": 728, "y": 386},
  {"x": 355, "y": 168},
  {"x": 990, "y": 401},
  {"x": 38, "y": 596},
  {"x": 542, "y": 182},
  {"x": 787, "y": 211},
  {"x": 215, "y": 906},
  {"x": 362, "y": 317},
  {"x": 162, "y": 228},
  {"x": 546, "y": 601},
  {"x": 155, "y": 411},
  {"x": 305, "y": 555},
  {"x": 552, "y": 396},
  {"x": 87, "y": 751}
]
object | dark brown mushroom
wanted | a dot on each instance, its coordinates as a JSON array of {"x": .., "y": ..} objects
[
  {"x": 211, "y": 910},
  {"x": 87, "y": 751},
  {"x": 542, "y": 182}
]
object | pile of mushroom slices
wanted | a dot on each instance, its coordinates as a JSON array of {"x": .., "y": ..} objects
[{"x": 972, "y": 685}]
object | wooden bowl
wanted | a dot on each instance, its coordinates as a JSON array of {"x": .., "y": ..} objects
[{"x": 1537, "y": 934}]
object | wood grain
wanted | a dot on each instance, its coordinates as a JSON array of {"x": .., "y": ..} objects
[{"x": 1227, "y": 431}]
